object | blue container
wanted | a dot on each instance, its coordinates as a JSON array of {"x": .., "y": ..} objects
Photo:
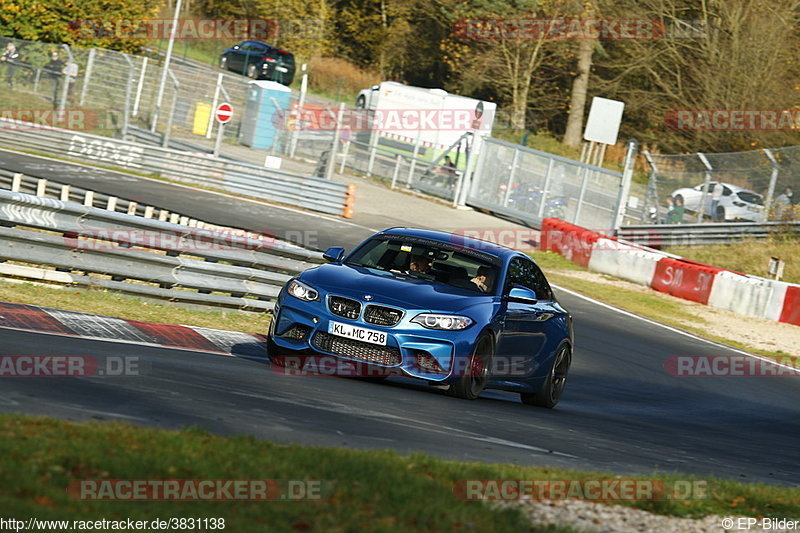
[{"x": 264, "y": 116}]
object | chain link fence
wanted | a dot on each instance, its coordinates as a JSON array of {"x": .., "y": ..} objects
[
  {"x": 532, "y": 185},
  {"x": 750, "y": 186}
]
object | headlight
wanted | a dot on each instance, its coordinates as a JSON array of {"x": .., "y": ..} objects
[
  {"x": 448, "y": 322},
  {"x": 301, "y": 291}
]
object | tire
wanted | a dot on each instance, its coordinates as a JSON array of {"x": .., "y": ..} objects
[
  {"x": 223, "y": 63},
  {"x": 550, "y": 393},
  {"x": 470, "y": 386},
  {"x": 361, "y": 102},
  {"x": 252, "y": 72}
]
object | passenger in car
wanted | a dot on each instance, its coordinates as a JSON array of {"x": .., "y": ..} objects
[{"x": 483, "y": 278}]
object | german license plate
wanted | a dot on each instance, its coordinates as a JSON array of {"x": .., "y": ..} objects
[
  {"x": 282, "y": 69},
  {"x": 357, "y": 333}
]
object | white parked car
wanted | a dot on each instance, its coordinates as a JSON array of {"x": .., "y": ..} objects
[{"x": 736, "y": 203}]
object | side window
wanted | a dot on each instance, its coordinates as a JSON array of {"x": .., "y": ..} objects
[{"x": 525, "y": 273}]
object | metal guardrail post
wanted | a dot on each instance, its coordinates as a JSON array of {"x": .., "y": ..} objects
[
  {"x": 773, "y": 180},
  {"x": 706, "y": 183},
  {"x": 87, "y": 76}
]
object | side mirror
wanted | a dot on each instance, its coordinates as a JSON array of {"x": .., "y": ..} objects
[
  {"x": 333, "y": 254},
  {"x": 522, "y": 295}
]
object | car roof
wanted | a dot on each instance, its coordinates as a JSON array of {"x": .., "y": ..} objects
[{"x": 454, "y": 239}]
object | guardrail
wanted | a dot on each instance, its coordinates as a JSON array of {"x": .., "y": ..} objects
[
  {"x": 143, "y": 256},
  {"x": 699, "y": 234},
  {"x": 238, "y": 177}
]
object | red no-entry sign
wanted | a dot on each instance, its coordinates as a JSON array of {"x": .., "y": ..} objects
[{"x": 224, "y": 113}]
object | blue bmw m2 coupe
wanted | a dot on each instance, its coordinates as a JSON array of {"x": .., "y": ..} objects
[{"x": 440, "y": 307}]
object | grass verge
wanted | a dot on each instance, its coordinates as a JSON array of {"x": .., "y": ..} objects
[
  {"x": 365, "y": 490},
  {"x": 103, "y": 302}
]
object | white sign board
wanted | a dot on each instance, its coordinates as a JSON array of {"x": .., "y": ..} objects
[{"x": 604, "y": 119}]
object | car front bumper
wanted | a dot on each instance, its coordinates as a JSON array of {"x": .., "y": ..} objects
[{"x": 300, "y": 327}]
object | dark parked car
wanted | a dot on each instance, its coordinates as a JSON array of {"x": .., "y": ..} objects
[
  {"x": 435, "y": 306},
  {"x": 260, "y": 61}
]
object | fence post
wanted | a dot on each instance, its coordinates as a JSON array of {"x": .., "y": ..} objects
[
  {"x": 652, "y": 187},
  {"x": 545, "y": 189},
  {"x": 125, "y": 111},
  {"x": 168, "y": 131},
  {"x": 373, "y": 148},
  {"x": 396, "y": 170},
  {"x": 214, "y": 102},
  {"x": 625, "y": 186},
  {"x": 414, "y": 157},
  {"x": 773, "y": 180},
  {"x": 87, "y": 76},
  {"x": 706, "y": 183},
  {"x": 336, "y": 133},
  {"x": 514, "y": 160},
  {"x": 300, "y": 113},
  {"x": 139, "y": 87},
  {"x": 578, "y": 208},
  {"x": 467, "y": 181}
]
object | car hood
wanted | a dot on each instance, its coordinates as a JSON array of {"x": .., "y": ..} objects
[{"x": 391, "y": 289}]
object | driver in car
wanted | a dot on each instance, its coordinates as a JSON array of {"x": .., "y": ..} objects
[
  {"x": 421, "y": 264},
  {"x": 483, "y": 279}
]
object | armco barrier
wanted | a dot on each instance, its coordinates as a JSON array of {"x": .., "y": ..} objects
[
  {"x": 623, "y": 261},
  {"x": 684, "y": 279},
  {"x": 250, "y": 179},
  {"x": 571, "y": 241},
  {"x": 95, "y": 247}
]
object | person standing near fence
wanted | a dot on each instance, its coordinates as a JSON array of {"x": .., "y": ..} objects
[
  {"x": 53, "y": 70},
  {"x": 716, "y": 196},
  {"x": 71, "y": 76},
  {"x": 10, "y": 58},
  {"x": 783, "y": 205}
]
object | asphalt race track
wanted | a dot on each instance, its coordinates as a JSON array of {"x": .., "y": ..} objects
[{"x": 621, "y": 411}]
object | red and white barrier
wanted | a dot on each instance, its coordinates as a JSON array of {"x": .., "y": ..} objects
[{"x": 706, "y": 284}]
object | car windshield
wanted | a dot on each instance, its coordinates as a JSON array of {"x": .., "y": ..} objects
[
  {"x": 751, "y": 197},
  {"x": 429, "y": 260}
]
